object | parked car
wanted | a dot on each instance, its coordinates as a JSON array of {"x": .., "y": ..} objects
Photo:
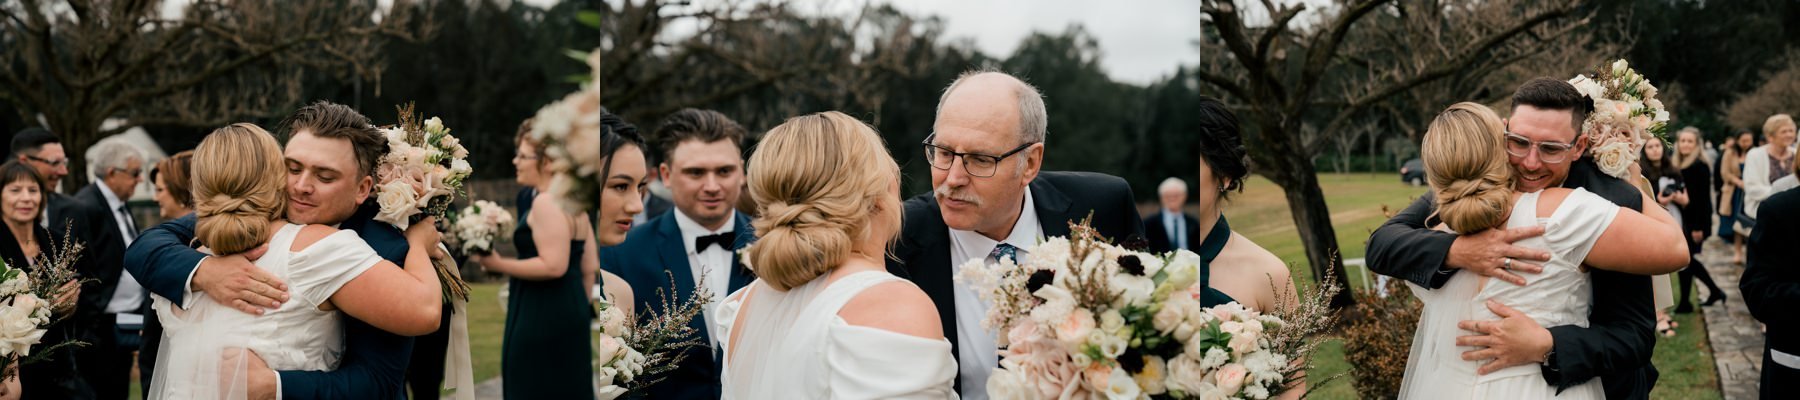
[{"x": 1413, "y": 172}]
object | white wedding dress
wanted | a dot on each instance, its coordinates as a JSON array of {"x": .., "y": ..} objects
[
  {"x": 1560, "y": 295},
  {"x": 203, "y": 344},
  {"x": 794, "y": 346}
]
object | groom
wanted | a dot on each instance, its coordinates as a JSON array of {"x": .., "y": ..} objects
[
  {"x": 1545, "y": 149},
  {"x": 331, "y": 153},
  {"x": 992, "y": 200}
]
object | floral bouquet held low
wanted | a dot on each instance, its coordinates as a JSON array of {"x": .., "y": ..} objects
[
  {"x": 479, "y": 227},
  {"x": 420, "y": 175},
  {"x": 1088, "y": 319},
  {"x": 25, "y": 315},
  {"x": 1626, "y": 113},
  {"x": 633, "y": 352}
]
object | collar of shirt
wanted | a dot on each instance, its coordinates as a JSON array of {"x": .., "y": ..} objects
[
  {"x": 691, "y": 230},
  {"x": 1026, "y": 232},
  {"x": 112, "y": 200}
]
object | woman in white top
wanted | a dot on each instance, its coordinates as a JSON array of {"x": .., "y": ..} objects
[
  {"x": 1767, "y": 163},
  {"x": 824, "y": 319},
  {"x": 1466, "y": 164},
  {"x": 239, "y": 183}
]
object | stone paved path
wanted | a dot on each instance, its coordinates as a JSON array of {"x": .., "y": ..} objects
[{"x": 1736, "y": 337}]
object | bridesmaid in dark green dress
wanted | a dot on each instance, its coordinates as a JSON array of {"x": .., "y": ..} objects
[
  {"x": 546, "y": 353},
  {"x": 1232, "y": 268}
]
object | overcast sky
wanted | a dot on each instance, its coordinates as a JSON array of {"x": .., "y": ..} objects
[{"x": 1140, "y": 40}]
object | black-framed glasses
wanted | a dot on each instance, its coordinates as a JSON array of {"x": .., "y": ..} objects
[
  {"x": 1550, "y": 152},
  {"x": 57, "y": 163},
  {"x": 976, "y": 164}
]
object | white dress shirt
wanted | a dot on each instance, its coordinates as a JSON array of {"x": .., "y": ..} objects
[
  {"x": 714, "y": 263},
  {"x": 128, "y": 295},
  {"x": 977, "y": 351}
]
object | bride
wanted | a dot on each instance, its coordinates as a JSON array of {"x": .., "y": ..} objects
[
  {"x": 824, "y": 319},
  {"x": 1466, "y": 164},
  {"x": 238, "y": 183}
]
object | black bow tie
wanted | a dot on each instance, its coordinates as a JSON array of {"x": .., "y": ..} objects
[{"x": 723, "y": 240}]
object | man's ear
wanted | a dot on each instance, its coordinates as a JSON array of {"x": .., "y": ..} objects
[
  {"x": 662, "y": 171},
  {"x": 1034, "y": 163},
  {"x": 363, "y": 188}
]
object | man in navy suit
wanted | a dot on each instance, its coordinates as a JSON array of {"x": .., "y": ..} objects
[
  {"x": 993, "y": 200},
  {"x": 1170, "y": 228},
  {"x": 703, "y": 166},
  {"x": 331, "y": 152}
]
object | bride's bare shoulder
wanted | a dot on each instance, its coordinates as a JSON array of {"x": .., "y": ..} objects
[
  {"x": 311, "y": 234},
  {"x": 894, "y": 306}
]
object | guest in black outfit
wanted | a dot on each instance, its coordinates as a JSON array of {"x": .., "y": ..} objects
[
  {"x": 1545, "y": 149},
  {"x": 1696, "y": 216},
  {"x": 1171, "y": 228},
  {"x": 1771, "y": 287},
  {"x": 111, "y": 302},
  {"x": 21, "y": 245}
]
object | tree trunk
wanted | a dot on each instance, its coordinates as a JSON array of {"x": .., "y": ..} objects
[{"x": 1313, "y": 222}]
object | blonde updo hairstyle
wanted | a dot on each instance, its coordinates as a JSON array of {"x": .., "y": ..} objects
[
  {"x": 239, "y": 185},
  {"x": 820, "y": 182},
  {"x": 1466, "y": 165}
]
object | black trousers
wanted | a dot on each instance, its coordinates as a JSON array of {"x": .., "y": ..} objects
[
  {"x": 147, "y": 353},
  {"x": 106, "y": 363},
  {"x": 425, "y": 373},
  {"x": 1695, "y": 270},
  {"x": 1778, "y": 380}
]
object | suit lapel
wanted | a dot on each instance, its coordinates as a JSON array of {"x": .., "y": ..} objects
[{"x": 674, "y": 259}]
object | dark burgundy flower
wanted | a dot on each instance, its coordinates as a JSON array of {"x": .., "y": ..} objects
[
  {"x": 1039, "y": 279},
  {"x": 1132, "y": 264}
]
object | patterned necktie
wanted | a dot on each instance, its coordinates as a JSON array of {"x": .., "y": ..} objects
[{"x": 1008, "y": 251}]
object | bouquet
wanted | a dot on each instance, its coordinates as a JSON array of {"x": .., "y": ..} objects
[
  {"x": 632, "y": 354},
  {"x": 1626, "y": 113},
  {"x": 420, "y": 175},
  {"x": 614, "y": 363},
  {"x": 1087, "y": 319},
  {"x": 479, "y": 226},
  {"x": 569, "y": 129},
  {"x": 25, "y": 315}
]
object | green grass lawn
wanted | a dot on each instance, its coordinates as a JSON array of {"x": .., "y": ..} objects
[{"x": 1357, "y": 201}]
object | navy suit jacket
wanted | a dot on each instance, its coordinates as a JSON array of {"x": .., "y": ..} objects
[
  {"x": 923, "y": 254},
  {"x": 374, "y": 361},
  {"x": 650, "y": 255}
]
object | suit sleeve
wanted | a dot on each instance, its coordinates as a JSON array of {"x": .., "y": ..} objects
[
  {"x": 1621, "y": 325},
  {"x": 1129, "y": 220},
  {"x": 161, "y": 260},
  {"x": 1770, "y": 283},
  {"x": 1403, "y": 247},
  {"x": 373, "y": 367}
]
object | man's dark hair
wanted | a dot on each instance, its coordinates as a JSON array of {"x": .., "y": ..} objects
[
  {"x": 30, "y": 140},
  {"x": 1553, "y": 94},
  {"x": 1221, "y": 145},
  {"x": 706, "y": 126},
  {"x": 337, "y": 121}
]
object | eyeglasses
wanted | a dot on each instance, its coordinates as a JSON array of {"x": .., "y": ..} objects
[
  {"x": 56, "y": 163},
  {"x": 132, "y": 171},
  {"x": 977, "y": 165},
  {"x": 1550, "y": 152}
]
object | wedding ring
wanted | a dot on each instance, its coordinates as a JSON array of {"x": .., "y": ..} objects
[{"x": 1506, "y": 264}]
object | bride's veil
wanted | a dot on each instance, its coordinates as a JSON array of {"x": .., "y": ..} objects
[{"x": 203, "y": 351}]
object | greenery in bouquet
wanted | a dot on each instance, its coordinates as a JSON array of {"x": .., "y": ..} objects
[
  {"x": 421, "y": 174},
  {"x": 1086, "y": 318}
]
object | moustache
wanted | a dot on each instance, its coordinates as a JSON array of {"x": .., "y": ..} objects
[{"x": 945, "y": 192}]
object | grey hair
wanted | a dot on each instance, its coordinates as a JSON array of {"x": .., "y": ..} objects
[
  {"x": 1172, "y": 183},
  {"x": 113, "y": 154},
  {"x": 1033, "y": 120}
]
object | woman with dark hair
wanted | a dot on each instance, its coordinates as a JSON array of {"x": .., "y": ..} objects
[
  {"x": 1232, "y": 267},
  {"x": 546, "y": 352},
  {"x": 22, "y": 244}
]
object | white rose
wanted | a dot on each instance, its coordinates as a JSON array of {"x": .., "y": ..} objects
[
  {"x": 398, "y": 202},
  {"x": 1184, "y": 269},
  {"x": 1167, "y": 319},
  {"x": 18, "y": 331},
  {"x": 608, "y": 349},
  {"x": 1007, "y": 385},
  {"x": 1058, "y": 303},
  {"x": 434, "y": 125},
  {"x": 1620, "y": 67},
  {"x": 1187, "y": 375},
  {"x": 394, "y": 135},
  {"x": 1614, "y": 158},
  {"x": 615, "y": 321},
  {"x": 460, "y": 167},
  {"x": 1133, "y": 289},
  {"x": 1111, "y": 321}
]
